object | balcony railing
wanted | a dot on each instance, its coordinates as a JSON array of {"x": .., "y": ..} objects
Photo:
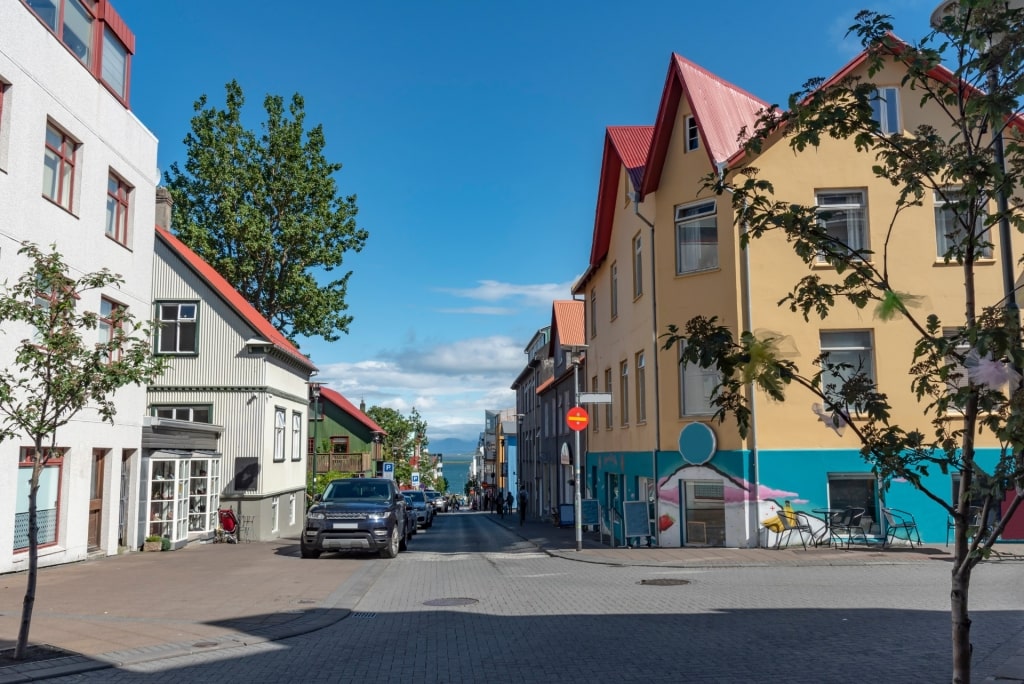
[{"x": 343, "y": 463}]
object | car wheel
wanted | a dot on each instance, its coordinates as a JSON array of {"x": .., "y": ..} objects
[
  {"x": 391, "y": 550},
  {"x": 308, "y": 553}
]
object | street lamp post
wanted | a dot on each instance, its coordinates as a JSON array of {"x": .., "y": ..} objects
[
  {"x": 314, "y": 389},
  {"x": 577, "y": 497}
]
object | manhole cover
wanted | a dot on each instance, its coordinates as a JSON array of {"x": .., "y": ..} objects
[
  {"x": 364, "y": 616},
  {"x": 451, "y": 602},
  {"x": 664, "y": 582},
  {"x": 205, "y": 644},
  {"x": 306, "y": 602}
]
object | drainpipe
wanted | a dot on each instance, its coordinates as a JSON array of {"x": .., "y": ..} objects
[
  {"x": 654, "y": 340},
  {"x": 747, "y": 322}
]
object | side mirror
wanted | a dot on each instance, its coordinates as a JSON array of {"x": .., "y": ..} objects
[{"x": 318, "y": 497}]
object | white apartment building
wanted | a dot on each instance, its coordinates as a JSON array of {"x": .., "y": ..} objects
[{"x": 77, "y": 170}]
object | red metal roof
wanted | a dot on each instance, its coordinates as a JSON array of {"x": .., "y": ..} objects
[
  {"x": 348, "y": 407},
  {"x": 720, "y": 109},
  {"x": 544, "y": 385},
  {"x": 231, "y": 296},
  {"x": 567, "y": 324}
]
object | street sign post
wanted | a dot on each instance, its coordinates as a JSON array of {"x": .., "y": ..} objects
[
  {"x": 577, "y": 418},
  {"x": 389, "y": 470}
]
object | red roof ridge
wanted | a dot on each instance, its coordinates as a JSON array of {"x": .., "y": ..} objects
[
  {"x": 339, "y": 400},
  {"x": 232, "y": 297}
]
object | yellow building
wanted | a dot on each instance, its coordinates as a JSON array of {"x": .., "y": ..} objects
[{"x": 665, "y": 250}]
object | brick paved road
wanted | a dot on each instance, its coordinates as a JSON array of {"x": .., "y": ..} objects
[{"x": 533, "y": 618}]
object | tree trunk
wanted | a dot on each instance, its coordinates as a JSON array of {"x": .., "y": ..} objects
[
  {"x": 33, "y": 558},
  {"x": 961, "y": 621}
]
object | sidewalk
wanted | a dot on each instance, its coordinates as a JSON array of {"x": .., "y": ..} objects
[{"x": 137, "y": 607}]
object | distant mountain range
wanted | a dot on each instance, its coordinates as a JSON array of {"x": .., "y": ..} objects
[{"x": 452, "y": 445}]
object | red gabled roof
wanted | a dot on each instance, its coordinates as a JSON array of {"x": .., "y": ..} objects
[
  {"x": 720, "y": 109},
  {"x": 230, "y": 295},
  {"x": 567, "y": 324},
  {"x": 544, "y": 385},
  {"x": 345, "y": 405},
  {"x": 623, "y": 146}
]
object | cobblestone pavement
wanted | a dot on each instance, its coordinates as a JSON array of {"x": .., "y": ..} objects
[{"x": 474, "y": 602}]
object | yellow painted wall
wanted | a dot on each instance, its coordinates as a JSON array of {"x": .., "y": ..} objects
[{"x": 909, "y": 256}]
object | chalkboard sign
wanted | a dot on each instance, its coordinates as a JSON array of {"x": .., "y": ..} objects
[
  {"x": 637, "y": 523},
  {"x": 589, "y": 514},
  {"x": 566, "y": 515}
]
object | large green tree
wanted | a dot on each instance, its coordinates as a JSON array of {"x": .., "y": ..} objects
[
  {"x": 965, "y": 372},
  {"x": 60, "y": 369},
  {"x": 265, "y": 212},
  {"x": 404, "y": 433}
]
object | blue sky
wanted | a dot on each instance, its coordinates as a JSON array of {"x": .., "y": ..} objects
[{"x": 471, "y": 132}]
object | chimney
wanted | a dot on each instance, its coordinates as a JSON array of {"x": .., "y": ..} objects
[{"x": 163, "y": 208}]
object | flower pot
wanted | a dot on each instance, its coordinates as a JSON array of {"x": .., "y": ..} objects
[{"x": 152, "y": 546}]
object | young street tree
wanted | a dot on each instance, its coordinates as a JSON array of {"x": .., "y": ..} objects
[
  {"x": 400, "y": 442},
  {"x": 965, "y": 373},
  {"x": 60, "y": 370},
  {"x": 265, "y": 213}
]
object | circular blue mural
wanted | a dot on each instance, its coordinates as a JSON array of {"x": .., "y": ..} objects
[{"x": 697, "y": 443}]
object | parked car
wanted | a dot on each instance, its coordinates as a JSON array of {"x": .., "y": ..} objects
[
  {"x": 439, "y": 503},
  {"x": 357, "y": 513},
  {"x": 417, "y": 500}
]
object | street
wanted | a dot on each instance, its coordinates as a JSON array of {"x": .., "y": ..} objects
[{"x": 471, "y": 602}]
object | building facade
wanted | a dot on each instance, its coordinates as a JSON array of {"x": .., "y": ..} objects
[
  {"x": 346, "y": 440},
  {"x": 665, "y": 250},
  {"x": 78, "y": 171}
]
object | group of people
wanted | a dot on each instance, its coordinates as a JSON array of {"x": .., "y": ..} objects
[{"x": 502, "y": 502}]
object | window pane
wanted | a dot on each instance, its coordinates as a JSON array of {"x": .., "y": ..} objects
[
  {"x": 51, "y": 165},
  {"x": 77, "y": 29},
  {"x": 115, "y": 62},
  {"x": 187, "y": 334},
  {"x": 201, "y": 415},
  {"x": 168, "y": 337},
  {"x": 47, "y": 11}
]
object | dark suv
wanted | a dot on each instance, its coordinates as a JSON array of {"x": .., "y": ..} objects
[{"x": 358, "y": 513}]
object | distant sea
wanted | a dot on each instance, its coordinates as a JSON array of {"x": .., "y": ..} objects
[{"x": 456, "y": 469}]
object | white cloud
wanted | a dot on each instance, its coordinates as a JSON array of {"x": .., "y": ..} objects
[{"x": 530, "y": 295}]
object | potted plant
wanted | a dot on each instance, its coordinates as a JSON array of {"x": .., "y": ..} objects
[{"x": 154, "y": 542}]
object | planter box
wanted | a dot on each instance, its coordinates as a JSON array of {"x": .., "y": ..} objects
[{"x": 152, "y": 546}]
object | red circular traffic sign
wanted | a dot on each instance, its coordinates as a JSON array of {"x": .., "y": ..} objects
[{"x": 577, "y": 418}]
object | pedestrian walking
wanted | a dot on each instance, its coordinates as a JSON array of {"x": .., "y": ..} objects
[
  {"x": 500, "y": 502},
  {"x": 523, "y": 498},
  {"x": 509, "y": 500}
]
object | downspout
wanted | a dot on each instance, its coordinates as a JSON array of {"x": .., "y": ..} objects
[
  {"x": 654, "y": 341},
  {"x": 747, "y": 318}
]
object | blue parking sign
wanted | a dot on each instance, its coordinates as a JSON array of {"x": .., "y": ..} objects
[{"x": 388, "y": 470}]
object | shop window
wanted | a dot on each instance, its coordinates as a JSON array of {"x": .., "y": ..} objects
[
  {"x": 856, "y": 490},
  {"x": 47, "y": 498}
]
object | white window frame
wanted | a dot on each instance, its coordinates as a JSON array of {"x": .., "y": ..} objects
[
  {"x": 279, "y": 426},
  {"x": 186, "y": 312},
  {"x": 614, "y": 299},
  {"x": 847, "y": 346},
  {"x": 624, "y": 392},
  {"x": 638, "y": 266},
  {"x": 885, "y": 109},
  {"x": 848, "y": 214},
  {"x": 692, "y": 134},
  {"x": 296, "y": 436},
  {"x": 944, "y": 216},
  {"x": 641, "y": 388},
  {"x": 696, "y": 237},
  {"x": 184, "y": 412},
  {"x": 696, "y": 387}
]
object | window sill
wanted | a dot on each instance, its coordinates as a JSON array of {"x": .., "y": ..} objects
[
  {"x": 980, "y": 261},
  {"x": 118, "y": 242},
  {"x": 59, "y": 205},
  {"x": 698, "y": 272}
]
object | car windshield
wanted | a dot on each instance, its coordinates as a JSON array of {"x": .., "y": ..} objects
[
  {"x": 415, "y": 496},
  {"x": 432, "y": 495},
  {"x": 357, "y": 490}
]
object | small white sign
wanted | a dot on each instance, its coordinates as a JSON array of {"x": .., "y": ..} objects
[
  {"x": 595, "y": 397},
  {"x": 415, "y": 479},
  {"x": 389, "y": 470}
]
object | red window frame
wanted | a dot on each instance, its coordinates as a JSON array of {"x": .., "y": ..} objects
[
  {"x": 65, "y": 154},
  {"x": 26, "y": 459},
  {"x": 118, "y": 204},
  {"x": 112, "y": 321}
]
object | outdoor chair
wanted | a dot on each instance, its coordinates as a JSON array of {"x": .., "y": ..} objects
[
  {"x": 897, "y": 521},
  {"x": 847, "y": 524},
  {"x": 794, "y": 522},
  {"x": 973, "y": 522}
]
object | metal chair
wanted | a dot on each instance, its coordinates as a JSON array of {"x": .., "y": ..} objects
[
  {"x": 895, "y": 521},
  {"x": 973, "y": 522},
  {"x": 847, "y": 523},
  {"x": 794, "y": 522}
]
